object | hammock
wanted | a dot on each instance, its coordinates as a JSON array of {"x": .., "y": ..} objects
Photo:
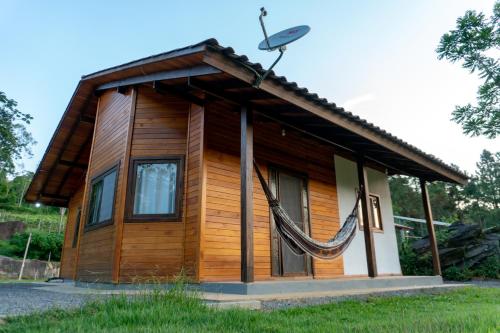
[{"x": 298, "y": 241}]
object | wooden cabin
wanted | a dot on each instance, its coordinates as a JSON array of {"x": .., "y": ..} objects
[{"x": 153, "y": 158}]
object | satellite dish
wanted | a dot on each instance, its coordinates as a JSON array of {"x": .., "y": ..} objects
[
  {"x": 284, "y": 37},
  {"x": 277, "y": 41}
]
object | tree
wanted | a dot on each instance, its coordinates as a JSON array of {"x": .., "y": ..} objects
[
  {"x": 488, "y": 178},
  {"x": 12, "y": 191},
  {"x": 407, "y": 199},
  {"x": 473, "y": 40},
  {"x": 15, "y": 140},
  {"x": 482, "y": 193},
  {"x": 476, "y": 202}
]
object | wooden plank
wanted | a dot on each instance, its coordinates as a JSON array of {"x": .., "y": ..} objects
[
  {"x": 96, "y": 249},
  {"x": 85, "y": 191},
  {"x": 367, "y": 217},
  {"x": 246, "y": 196},
  {"x": 436, "y": 265},
  {"x": 202, "y": 194},
  {"x": 123, "y": 194}
]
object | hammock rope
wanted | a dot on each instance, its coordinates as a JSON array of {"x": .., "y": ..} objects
[{"x": 298, "y": 241}]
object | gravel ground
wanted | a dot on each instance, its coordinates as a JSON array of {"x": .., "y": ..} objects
[
  {"x": 484, "y": 283},
  {"x": 23, "y": 298}
]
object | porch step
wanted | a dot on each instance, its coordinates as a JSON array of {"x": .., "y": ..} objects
[
  {"x": 277, "y": 301},
  {"x": 298, "y": 286}
]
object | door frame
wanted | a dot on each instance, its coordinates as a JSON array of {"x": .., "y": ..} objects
[{"x": 275, "y": 240}]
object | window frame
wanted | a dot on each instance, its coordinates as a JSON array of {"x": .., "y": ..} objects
[
  {"x": 100, "y": 177},
  {"x": 360, "y": 215},
  {"x": 130, "y": 217},
  {"x": 76, "y": 232}
]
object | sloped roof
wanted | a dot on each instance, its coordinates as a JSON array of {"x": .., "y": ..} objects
[{"x": 81, "y": 108}]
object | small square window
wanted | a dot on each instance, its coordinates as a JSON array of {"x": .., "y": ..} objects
[
  {"x": 102, "y": 199},
  {"x": 156, "y": 189},
  {"x": 376, "y": 222}
]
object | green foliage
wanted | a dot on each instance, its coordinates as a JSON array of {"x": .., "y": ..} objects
[
  {"x": 407, "y": 200},
  {"x": 7, "y": 249},
  {"x": 418, "y": 264},
  {"x": 477, "y": 202},
  {"x": 463, "y": 310},
  {"x": 485, "y": 185},
  {"x": 489, "y": 269},
  {"x": 12, "y": 191},
  {"x": 15, "y": 140},
  {"x": 43, "y": 218},
  {"x": 421, "y": 264},
  {"x": 472, "y": 40},
  {"x": 457, "y": 274},
  {"x": 481, "y": 196},
  {"x": 413, "y": 264},
  {"x": 42, "y": 243}
]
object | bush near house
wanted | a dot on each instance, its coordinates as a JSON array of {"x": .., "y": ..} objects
[
  {"x": 465, "y": 250},
  {"x": 42, "y": 244}
]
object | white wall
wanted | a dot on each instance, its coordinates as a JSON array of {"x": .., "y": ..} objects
[{"x": 386, "y": 248}]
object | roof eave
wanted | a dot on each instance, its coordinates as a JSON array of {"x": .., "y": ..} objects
[{"x": 329, "y": 111}]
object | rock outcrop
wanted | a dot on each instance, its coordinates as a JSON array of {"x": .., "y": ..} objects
[{"x": 463, "y": 245}]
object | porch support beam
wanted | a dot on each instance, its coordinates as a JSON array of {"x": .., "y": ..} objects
[
  {"x": 159, "y": 76},
  {"x": 367, "y": 217},
  {"x": 436, "y": 265},
  {"x": 246, "y": 195}
]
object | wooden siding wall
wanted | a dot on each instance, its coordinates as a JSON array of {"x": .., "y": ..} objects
[
  {"x": 194, "y": 191},
  {"x": 96, "y": 249},
  {"x": 68, "y": 255},
  {"x": 155, "y": 250},
  {"x": 221, "y": 243}
]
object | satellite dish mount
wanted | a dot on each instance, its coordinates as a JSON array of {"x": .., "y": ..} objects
[{"x": 278, "y": 42}]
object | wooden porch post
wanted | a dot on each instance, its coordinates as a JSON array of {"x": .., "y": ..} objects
[
  {"x": 367, "y": 217},
  {"x": 246, "y": 163},
  {"x": 430, "y": 228}
]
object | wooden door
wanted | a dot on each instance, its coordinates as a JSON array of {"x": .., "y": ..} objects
[{"x": 291, "y": 190}]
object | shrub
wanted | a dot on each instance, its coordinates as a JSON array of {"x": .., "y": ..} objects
[
  {"x": 413, "y": 264},
  {"x": 42, "y": 243},
  {"x": 7, "y": 249},
  {"x": 488, "y": 269},
  {"x": 421, "y": 264},
  {"x": 454, "y": 273}
]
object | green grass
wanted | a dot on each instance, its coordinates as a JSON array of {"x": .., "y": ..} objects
[
  {"x": 465, "y": 310},
  {"x": 46, "y": 220}
]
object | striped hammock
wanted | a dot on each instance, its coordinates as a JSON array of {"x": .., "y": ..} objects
[{"x": 298, "y": 241}]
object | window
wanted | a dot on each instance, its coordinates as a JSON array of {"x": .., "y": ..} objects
[
  {"x": 155, "y": 192},
  {"x": 102, "y": 199},
  {"x": 77, "y": 227},
  {"x": 376, "y": 222}
]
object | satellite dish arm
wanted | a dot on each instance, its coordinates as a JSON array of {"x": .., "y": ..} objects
[
  {"x": 261, "y": 78},
  {"x": 263, "y": 13}
]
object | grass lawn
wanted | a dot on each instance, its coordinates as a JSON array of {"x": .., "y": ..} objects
[{"x": 465, "y": 310}]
